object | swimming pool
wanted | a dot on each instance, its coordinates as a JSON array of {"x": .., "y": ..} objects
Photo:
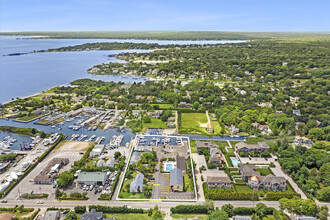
[
  {"x": 169, "y": 167},
  {"x": 235, "y": 161}
]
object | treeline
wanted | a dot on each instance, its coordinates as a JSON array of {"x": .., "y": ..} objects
[
  {"x": 107, "y": 209},
  {"x": 23, "y": 131},
  {"x": 309, "y": 167}
]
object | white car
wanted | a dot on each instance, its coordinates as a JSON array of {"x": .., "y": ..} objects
[{"x": 40, "y": 202}]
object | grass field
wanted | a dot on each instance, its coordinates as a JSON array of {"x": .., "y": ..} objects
[
  {"x": 264, "y": 171},
  {"x": 191, "y": 123},
  {"x": 165, "y": 106},
  {"x": 240, "y": 188},
  {"x": 28, "y": 117},
  {"x": 155, "y": 123},
  {"x": 185, "y": 216},
  {"x": 187, "y": 183}
]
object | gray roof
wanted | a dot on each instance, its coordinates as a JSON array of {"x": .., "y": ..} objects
[
  {"x": 242, "y": 218},
  {"x": 137, "y": 183},
  {"x": 52, "y": 215},
  {"x": 181, "y": 163},
  {"x": 176, "y": 177},
  {"x": 218, "y": 179},
  {"x": 305, "y": 218},
  {"x": 92, "y": 215},
  {"x": 91, "y": 176}
]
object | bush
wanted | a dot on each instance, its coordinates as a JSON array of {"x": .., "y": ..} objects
[
  {"x": 191, "y": 209},
  {"x": 275, "y": 196},
  {"x": 34, "y": 196},
  {"x": 107, "y": 209},
  {"x": 80, "y": 209}
]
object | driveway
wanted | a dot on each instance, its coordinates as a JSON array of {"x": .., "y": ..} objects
[
  {"x": 279, "y": 172},
  {"x": 199, "y": 159}
]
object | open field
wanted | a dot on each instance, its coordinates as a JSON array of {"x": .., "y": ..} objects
[
  {"x": 73, "y": 145},
  {"x": 155, "y": 123},
  {"x": 193, "y": 123},
  {"x": 164, "y": 106}
]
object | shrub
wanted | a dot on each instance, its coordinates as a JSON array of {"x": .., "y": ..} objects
[
  {"x": 80, "y": 209},
  {"x": 275, "y": 196},
  {"x": 191, "y": 209}
]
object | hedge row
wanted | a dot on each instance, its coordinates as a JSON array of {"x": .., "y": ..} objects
[
  {"x": 80, "y": 209},
  {"x": 4, "y": 193},
  {"x": 188, "y": 110},
  {"x": 223, "y": 194},
  {"x": 107, "y": 209},
  {"x": 275, "y": 196},
  {"x": 114, "y": 185},
  {"x": 191, "y": 209},
  {"x": 250, "y": 211},
  {"x": 33, "y": 215}
]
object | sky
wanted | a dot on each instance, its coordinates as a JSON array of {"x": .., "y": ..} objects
[{"x": 220, "y": 15}]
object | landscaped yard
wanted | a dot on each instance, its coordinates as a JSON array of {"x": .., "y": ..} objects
[
  {"x": 165, "y": 106},
  {"x": 193, "y": 123},
  {"x": 193, "y": 146},
  {"x": 241, "y": 188},
  {"x": 184, "y": 216},
  {"x": 155, "y": 123},
  {"x": 264, "y": 171},
  {"x": 28, "y": 117},
  {"x": 187, "y": 183}
]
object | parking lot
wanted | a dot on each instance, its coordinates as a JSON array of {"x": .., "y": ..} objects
[{"x": 27, "y": 185}]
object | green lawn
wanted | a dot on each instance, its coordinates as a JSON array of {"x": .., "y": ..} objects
[
  {"x": 239, "y": 181},
  {"x": 155, "y": 123},
  {"x": 28, "y": 117},
  {"x": 193, "y": 146},
  {"x": 184, "y": 216},
  {"x": 191, "y": 123},
  {"x": 217, "y": 128},
  {"x": 129, "y": 216},
  {"x": 165, "y": 106},
  {"x": 264, "y": 171},
  {"x": 128, "y": 195},
  {"x": 240, "y": 188},
  {"x": 187, "y": 183}
]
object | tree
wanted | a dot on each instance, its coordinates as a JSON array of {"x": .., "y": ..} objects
[
  {"x": 209, "y": 204},
  {"x": 324, "y": 194},
  {"x": 147, "y": 119},
  {"x": 324, "y": 174},
  {"x": 323, "y": 213},
  {"x": 71, "y": 215},
  {"x": 156, "y": 213},
  {"x": 117, "y": 155},
  {"x": 65, "y": 179},
  {"x": 261, "y": 210},
  {"x": 265, "y": 154},
  {"x": 58, "y": 193},
  {"x": 229, "y": 209},
  {"x": 218, "y": 215},
  {"x": 316, "y": 134},
  {"x": 196, "y": 105}
]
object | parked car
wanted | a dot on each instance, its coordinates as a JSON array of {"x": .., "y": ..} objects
[
  {"x": 4, "y": 201},
  {"x": 91, "y": 187}
]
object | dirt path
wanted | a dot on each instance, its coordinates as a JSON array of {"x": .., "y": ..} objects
[{"x": 208, "y": 117}]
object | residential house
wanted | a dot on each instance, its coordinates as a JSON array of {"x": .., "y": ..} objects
[
  {"x": 137, "y": 184},
  {"x": 52, "y": 215},
  {"x": 301, "y": 140},
  {"x": 305, "y": 218},
  {"x": 192, "y": 76},
  {"x": 247, "y": 171},
  {"x": 202, "y": 144},
  {"x": 176, "y": 180},
  {"x": 181, "y": 163},
  {"x": 92, "y": 215},
  {"x": 246, "y": 148},
  {"x": 185, "y": 105},
  {"x": 216, "y": 157},
  {"x": 219, "y": 182},
  {"x": 269, "y": 182},
  {"x": 242, "y": 218},
  {"x": 296, "y": 112},
  {"x": 171, "y": 125}
]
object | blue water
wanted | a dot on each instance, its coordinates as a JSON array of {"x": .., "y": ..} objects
[
  {"x": 32, "y": 73},
  {"x": 20, "y": 140},
  {"x": 169, "y": 167},
  {"x": 235, "y": 162}
]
